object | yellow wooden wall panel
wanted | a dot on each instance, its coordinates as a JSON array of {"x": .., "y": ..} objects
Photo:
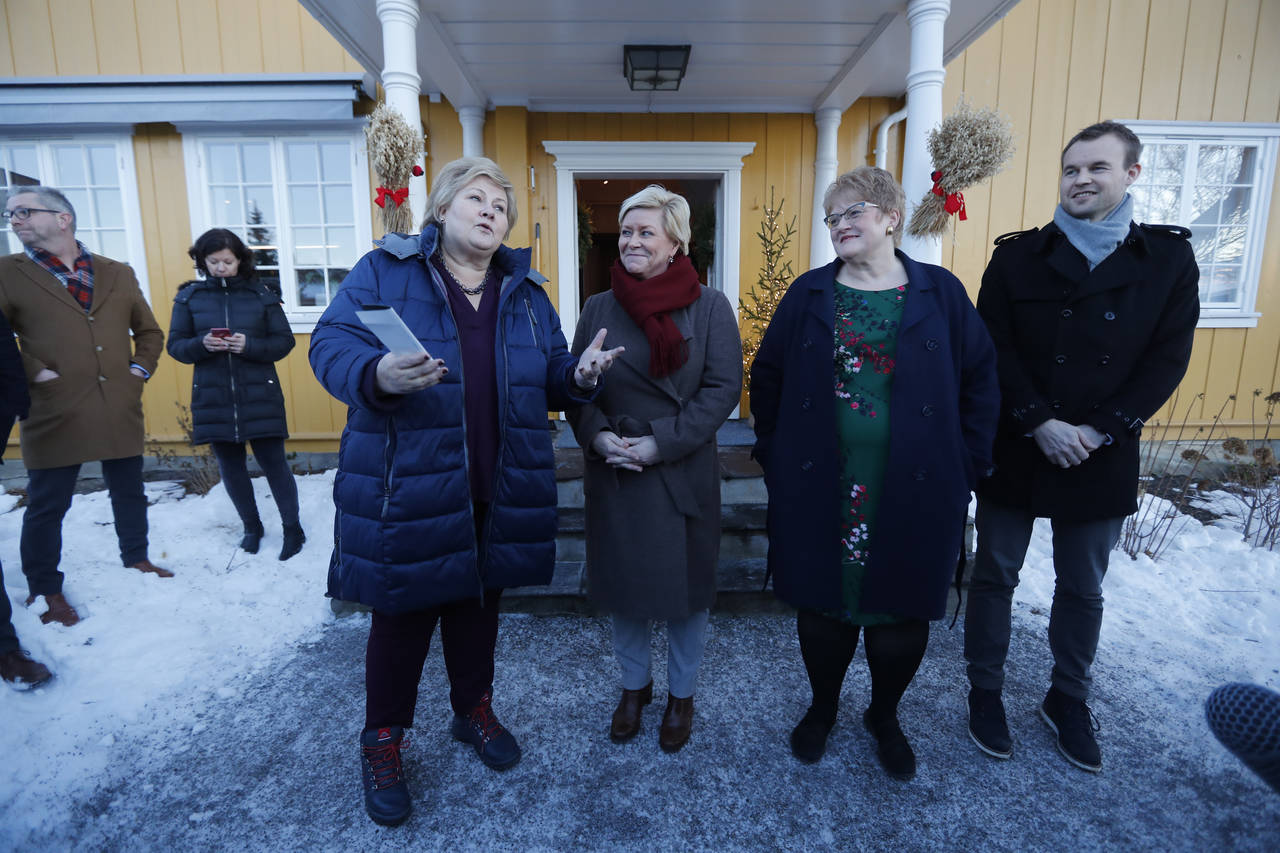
[
  {"x": 755, "y": 197},
  {"x": 31, "y": 39},
  {"x": 7, "y": 65},
  {"x": 1263, "y": 103},
  {"x": 320, "y": 51},
  {"x": 1015, "y": 95},
  {"x": 281, "y": 26},
  {"x": 239, "y": 36},
  {"x": 1162, "y": 63},
  {"x": 1048, "y": 106},
  {"x": 160, "y": 45},
  {"x": 75, "y": 51},
  {"x": 1085, "y": 70},
  {"x": 1200, "y": 57},
  {"x": 116, "y": 37},
  {"x": 197, "y": 22},
  {"x": 511, "y": 153},
  {"x": 1235, "y": 60},
  {"x": 1125, "y": 55}
]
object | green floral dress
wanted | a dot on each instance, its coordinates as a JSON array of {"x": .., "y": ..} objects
[{"x": 866, "y": 343}]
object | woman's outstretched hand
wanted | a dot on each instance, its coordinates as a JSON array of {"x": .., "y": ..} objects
[
  {"x": 594, "y": 361},
  {"x": 409, "y": 372}
]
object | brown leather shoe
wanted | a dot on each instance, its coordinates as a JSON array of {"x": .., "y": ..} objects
[
  {"x": 17, "y": 668},
  {"x": 677, "y": 723},
  {"x": 60, "y": 610},
  {"x": 626, "y": 717},
  {"x": 151, "y": 568}
]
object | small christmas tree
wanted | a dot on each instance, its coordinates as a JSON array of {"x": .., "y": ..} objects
[{"x": 758, "y": 305}]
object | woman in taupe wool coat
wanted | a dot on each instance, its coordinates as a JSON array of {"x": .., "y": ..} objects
[{"x": 652, "y": 477}]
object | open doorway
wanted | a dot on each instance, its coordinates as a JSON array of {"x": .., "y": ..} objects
[{"x": 600, "y": 199}]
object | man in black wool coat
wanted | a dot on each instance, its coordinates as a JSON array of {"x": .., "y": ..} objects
[{"x": 1092, "y": 317}]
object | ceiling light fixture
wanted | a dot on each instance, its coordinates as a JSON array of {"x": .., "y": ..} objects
[{"x": 654, "y": 67}]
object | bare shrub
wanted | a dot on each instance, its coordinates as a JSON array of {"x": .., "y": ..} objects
[{"x": 199, "y": 471}]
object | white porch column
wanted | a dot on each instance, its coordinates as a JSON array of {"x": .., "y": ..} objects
[
  {"x": 924, "y": 110},
  {"x": 824, "y": 172},
  {"x": 472, "y": 119},
  {"x": 400, "y": 79}
]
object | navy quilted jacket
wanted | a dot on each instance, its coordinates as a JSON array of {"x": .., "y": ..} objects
[{"x": 404, "y": 537}]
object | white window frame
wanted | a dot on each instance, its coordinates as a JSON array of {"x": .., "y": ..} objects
[
  {"x": 128, "y": 174},
  {"x": 1267, "y": 138},
  {"x": 302, "y": 319}
]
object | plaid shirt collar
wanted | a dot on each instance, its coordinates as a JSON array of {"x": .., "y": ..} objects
[{"x": 81, "y": 271}]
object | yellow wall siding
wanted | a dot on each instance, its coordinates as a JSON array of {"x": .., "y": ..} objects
[
  {"x": 164, "y": 37},
  {"x": 1054, "y": 66}
]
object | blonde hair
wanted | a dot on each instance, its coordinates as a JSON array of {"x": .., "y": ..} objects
[
  {"x": 456, "y": 175},
  {"x": 675, "y": 212},
  {"x": 875, "y": 185}
]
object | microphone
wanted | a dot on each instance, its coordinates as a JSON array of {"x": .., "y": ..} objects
[{"x": 1246, "y": 719}]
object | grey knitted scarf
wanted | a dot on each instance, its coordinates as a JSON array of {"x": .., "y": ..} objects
[{"x": 1096, "y": 240}]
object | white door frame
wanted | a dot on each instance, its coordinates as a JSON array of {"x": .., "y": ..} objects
[{"x": 575, "y": 159}]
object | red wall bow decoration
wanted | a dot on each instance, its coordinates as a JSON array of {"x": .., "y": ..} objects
[{"x": 396, "y": 196}]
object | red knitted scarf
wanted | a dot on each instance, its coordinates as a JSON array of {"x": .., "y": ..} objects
[{"x": 649, "y": 301}]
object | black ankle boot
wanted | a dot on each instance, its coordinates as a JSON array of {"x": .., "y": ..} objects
[
  {"x": 293, "y": 539},
  {"x": 252, "y": 536}
]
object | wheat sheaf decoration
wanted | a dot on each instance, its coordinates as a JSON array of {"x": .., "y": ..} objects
[
  {"x": 970, "y": 146},
  {"x": 393, "y": 151}
]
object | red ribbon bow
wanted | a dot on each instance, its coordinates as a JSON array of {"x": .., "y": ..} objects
[
  {"x": 952, "y": 202},
  {"x": 386, "y": 193}
]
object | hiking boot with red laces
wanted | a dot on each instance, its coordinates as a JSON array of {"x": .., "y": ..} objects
[
  {"x": 386, "y": 794},
  {"x": 479, "y": 727}
]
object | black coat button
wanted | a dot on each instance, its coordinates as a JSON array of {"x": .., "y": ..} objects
[
  {"x": 805, "y": 403},
  {"x": 1110, "y": 315},
  {"x": 1056, "y": 405},
  {"x": 806, "y": 465},
  {"x": 1062, "y": 359},
  {"x": 1105, "y": 360},
  {"x": 807, "y": 343},
  {"x": 926, "y": 410},
  {"x": 931, "y": 345},
  {"x": 1066, "y": 312},
  {"x": 919, "y": 475}
]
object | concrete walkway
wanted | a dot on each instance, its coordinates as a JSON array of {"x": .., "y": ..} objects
[{"x": 276, "y": 768}]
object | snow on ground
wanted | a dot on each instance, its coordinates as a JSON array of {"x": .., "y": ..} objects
[{"x": 151, "y": 653}]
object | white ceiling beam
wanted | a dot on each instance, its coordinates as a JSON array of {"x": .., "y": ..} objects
[
  {"x": 874, "y": 52},
  {"x": 440, "y": 63}
]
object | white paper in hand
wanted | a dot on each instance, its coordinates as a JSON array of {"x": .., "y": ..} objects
[{"x": 390, "y": 329}]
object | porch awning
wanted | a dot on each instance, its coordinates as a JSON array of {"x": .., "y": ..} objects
[{"x": 232, "y": 98}]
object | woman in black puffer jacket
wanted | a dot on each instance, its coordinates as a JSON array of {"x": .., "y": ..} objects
[{"x": 231, "y": 327}]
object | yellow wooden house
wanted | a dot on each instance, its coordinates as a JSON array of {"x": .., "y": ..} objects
[{"x": 165, "y": 118}]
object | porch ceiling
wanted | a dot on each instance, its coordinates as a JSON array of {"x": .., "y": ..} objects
[{"x": 747, "y": 56}]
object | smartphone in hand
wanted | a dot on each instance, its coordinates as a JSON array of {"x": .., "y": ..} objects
[{"x": 220, "y": 333}]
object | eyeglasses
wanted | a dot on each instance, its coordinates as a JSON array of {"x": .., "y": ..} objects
[
  {"x": 850, "y": 214},
  {"x": 22, "y": 214}
]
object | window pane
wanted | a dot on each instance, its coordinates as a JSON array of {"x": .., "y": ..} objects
[
  {"x": 102, "y": 165},
  {"x": 341, "y": 246},
  {"x": 226, "y": 206},
  {"x": 1157, "y": 204},
  {"x": 257, "y": 162},
  {"x": 1211, "y": 164},
  {"x": 304, "y": 203},
  {"x": 112, "y": 243},
  {"x": 311, "y": 287},
  {"x": 1204, "y": 205},
  {"x": 337, "y": 204},
  {"x": 1235, "y": 206},
  {"x": 222, "y": 163},
  {"x": 260, "y": 204},
  {"x": 109, "y": 206},
  {"x": 336, "y": 160},
  {"x": 1243, "y": 173},
  {"x": 1224, "y": 284},
  {"x": 1229, "y": 245},
  {"x": 68, "y": 165},
  {"x": 1170, "y": 158},
  {"x": 1202, "y": 243},
  {"x": 85, "y": 216},
  {"x": 263, "y": 258},
  {"x": 25, "y": 166},
  {"x": 336, "y": 277},
  {"x": 308, "y": 246},
  {"x": 301, "y": 160}
]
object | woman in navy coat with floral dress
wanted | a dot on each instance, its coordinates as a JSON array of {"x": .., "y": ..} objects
[{"x": 875, "y": 401}]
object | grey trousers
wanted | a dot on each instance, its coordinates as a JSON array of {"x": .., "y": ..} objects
[
  {"x": 686, "y": 639},
  {"x": 1080, "y": 554}
]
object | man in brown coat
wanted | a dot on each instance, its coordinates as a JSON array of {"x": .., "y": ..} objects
[{"x": 73, "y": 313}]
